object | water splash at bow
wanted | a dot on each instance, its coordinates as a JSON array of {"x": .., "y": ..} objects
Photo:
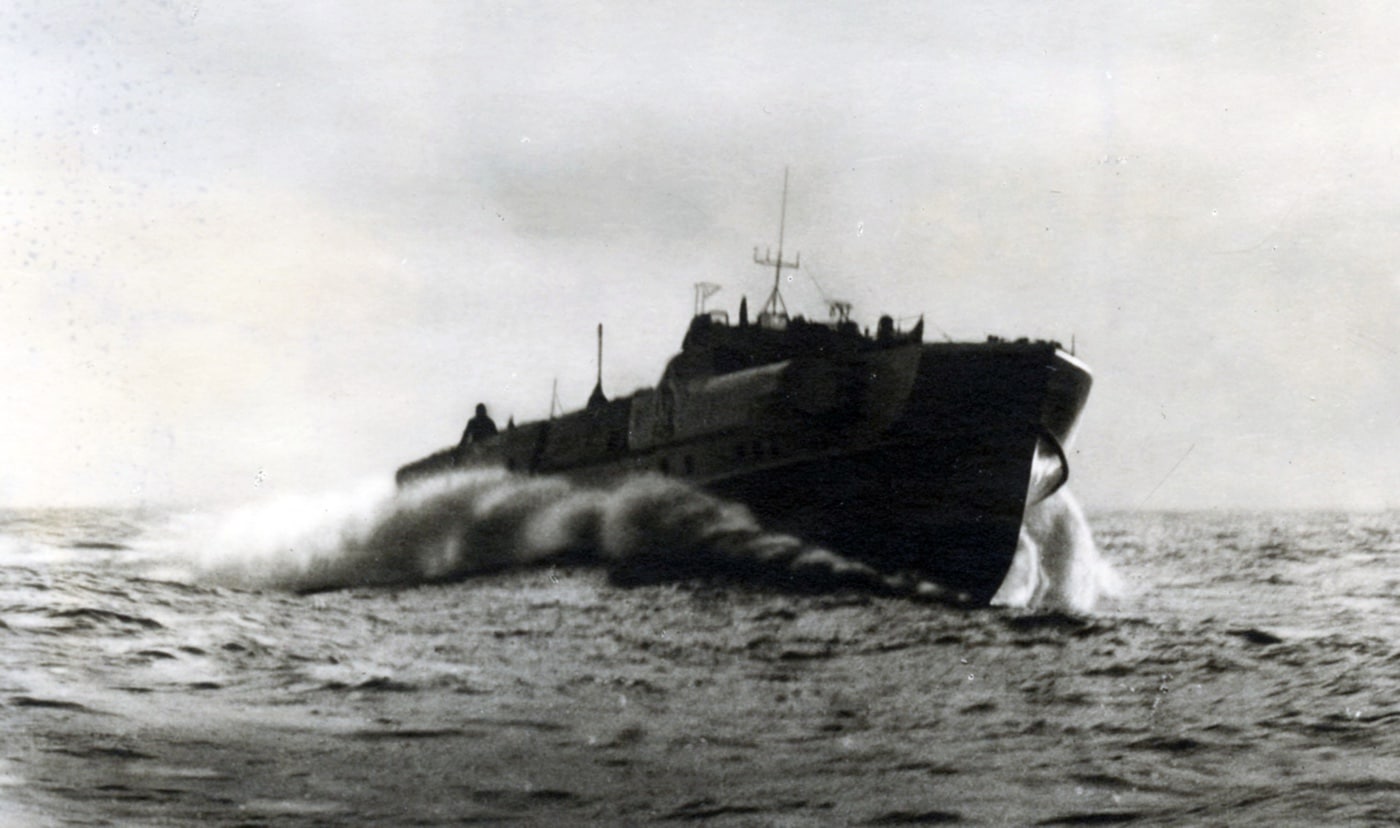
[{"x": 1057, "y": 564}]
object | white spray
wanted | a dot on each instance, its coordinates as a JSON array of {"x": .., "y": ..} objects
[
  {"x": 643, "y": 529},
  {"x": 1057, "y": 564}
]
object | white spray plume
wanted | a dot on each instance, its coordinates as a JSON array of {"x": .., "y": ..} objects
[
  {"x": 1057, "y": 564},
  {"x": 643, "y": 529}
]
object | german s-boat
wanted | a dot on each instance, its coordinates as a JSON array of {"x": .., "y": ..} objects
[{"x": 916, "y": 458}]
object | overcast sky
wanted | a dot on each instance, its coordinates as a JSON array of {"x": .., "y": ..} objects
[{"x": 253, "y": 248}]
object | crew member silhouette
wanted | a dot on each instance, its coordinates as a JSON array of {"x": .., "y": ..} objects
[{"x": 479, "y": 427}]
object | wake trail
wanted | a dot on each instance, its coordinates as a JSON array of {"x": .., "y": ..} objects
[{"x": 643, "y": 529}]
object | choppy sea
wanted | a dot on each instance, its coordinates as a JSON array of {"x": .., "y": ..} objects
[{"x": 494, "y": 650}]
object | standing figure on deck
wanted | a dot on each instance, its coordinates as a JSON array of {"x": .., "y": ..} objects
[{"x": 479, "y": 427}]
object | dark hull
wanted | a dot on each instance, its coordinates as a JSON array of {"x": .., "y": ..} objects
[
  {"x": 942, "y": 491},
  {"x": 917, "y": 458},
  {"x": 927, "y": 511}
]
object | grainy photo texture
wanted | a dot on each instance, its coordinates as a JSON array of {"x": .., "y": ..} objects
[{"x": 762, "y": 413}]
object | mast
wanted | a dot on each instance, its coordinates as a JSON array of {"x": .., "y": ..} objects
[
  {"x": 774, "y": 313},
  {"x": 597, "y": 398}
]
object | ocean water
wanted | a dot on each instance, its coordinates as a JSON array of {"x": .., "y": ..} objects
[{"x": 495, "y": 650}]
